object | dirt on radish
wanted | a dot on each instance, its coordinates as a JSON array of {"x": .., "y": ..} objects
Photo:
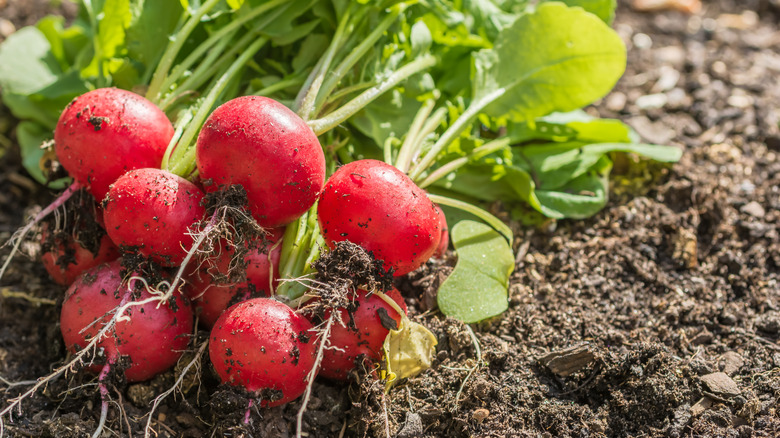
[{"x": 618, "y": 325}]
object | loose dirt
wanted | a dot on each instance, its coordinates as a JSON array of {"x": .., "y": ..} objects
[{"x": 660, "y": 316}]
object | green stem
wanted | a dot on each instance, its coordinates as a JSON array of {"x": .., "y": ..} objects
[
  {"x": 348, "y": 90},
  {"x": 304, "y": 102},
  {"x": 205, "y": 70},
  {"x": 294, "y": 245},
  {"x": 406, "y": 153},
  {"x": 183, "y": 121},
  {"x": 354, "y": 56},
  {"x": 93, "y": 22},
  {"x": 186, "y": 164},
  {"x": 155, "y": 87},
  {"x": 325, "y": 124},
  {"x": 454, "y": 131},
  {"x": 476, "y": 211},
  {"x": 477, "y": 153},
  {"x": 281, "y": 85},
  {"x": 220, "y": 36}
]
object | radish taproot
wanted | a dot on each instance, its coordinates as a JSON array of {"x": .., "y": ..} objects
[
  {"x": 366, "y": 324},
  {"x": 212, "y": 289},
  {"x": 106, "y": 132},
  {"x": 262, "y": 145},
  {"x": 375, "y": 205},
  {"x": 152, "y": 211},
  {"x": 265, "y": 347},
  {"x": 152, "y": 339}
]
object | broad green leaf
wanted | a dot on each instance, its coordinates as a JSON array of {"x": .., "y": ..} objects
[
  {"x": 312, "y": 47},
  {"x": 153, "y": 23},
  {"x": 31, "y": 136},
  {"x": 477, "y": 287},
  {"x": 27, "y": 64},
  {"x": 554, "y": 164},
  {"x": 34, "y": 86},
  {"x": 575, "y": 59},
  {"x": 297, "y": 32},
  {"x": 581, "y": 197},
  {"x": 114, "y": 17},
  {"x": 235, "y": 4},
  {"x": 388, "y": 116},
  {"x": 604, "y": 9},
  {"x": 421, "y": 38},
  {"x": 563, "y": 127}
]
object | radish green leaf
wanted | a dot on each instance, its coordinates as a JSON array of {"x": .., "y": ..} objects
[{"x": 477, "y": 287}]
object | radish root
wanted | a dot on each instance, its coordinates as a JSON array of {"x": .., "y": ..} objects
[{"x": 18, "y": 237}]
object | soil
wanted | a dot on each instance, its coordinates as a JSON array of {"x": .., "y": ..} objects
[{"x": 660, "y": 316}]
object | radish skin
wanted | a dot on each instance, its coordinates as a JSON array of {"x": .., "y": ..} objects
[
  {"x": 152, "y": 211},
  {"x": 262, "y": 145},
  {"x": 106, "y": 132},
  {"x": 376, "y": 206},
  {"x": 265, "y": 347},
  {"x": 153, "y": 338}
]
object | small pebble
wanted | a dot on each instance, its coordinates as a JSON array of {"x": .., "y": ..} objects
[
  {"x": 740, "y": 101},
  {"x": 730, "y": 362},
  {"x": 616, "y": 101},
  {"x": 651, "y": 101},
  {"x": 642, "y": 41},
  {"x": 6, "y": 27},
  {"x": 669, "y": 76},
  {"x": 769, "y": 322},
  {"x": 720, "y": 383},
  {"x": 754, "y": 209},
  {"x": 479, "y": 415}
]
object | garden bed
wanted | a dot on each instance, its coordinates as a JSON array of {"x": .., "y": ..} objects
[{"x": 660, "y": 316}]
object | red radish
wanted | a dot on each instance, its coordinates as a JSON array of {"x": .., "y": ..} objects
[
  {"x": 106, "y": 132},
  {"x": 444, "y": 240},
  {"x": 375, "y": 205},
  {"x": 153, "y": 338},
  {"x": 262, "y": 345},
  {"x": 151, "y": 210},
  {"x": 211, "y": 296},
  {"x": 365, "y": 332},
  {"x": 262, "y": 145},
  {"x": 75, "y": 241},
  {"x": 66, "y": 256}
]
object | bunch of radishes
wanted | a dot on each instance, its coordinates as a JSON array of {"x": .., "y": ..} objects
[{"x": 112, "y": 143}]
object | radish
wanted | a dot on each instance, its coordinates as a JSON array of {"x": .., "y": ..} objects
[
  {"x": 106, "y": 132},
  {"x": 444, "y": 240},
  {"x": 376, "y": 206},
  {"x": 265, "y": 347},
  {"x": 212, "y": 289},
  {"x": 66, "y": 255},
  {"x": 75, "y": 241},
  {"x": 367, "y": 323},
  {"x": 152, "y": 210},
  {"x": 152, "y": 339},
  {"x": 260, "y": 144}
]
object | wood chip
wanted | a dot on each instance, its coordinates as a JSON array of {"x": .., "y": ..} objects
[
  {"x": 568, "y": 361},
  {"x": 721, "y": 384},
  {"x": 702, "y": 405}
]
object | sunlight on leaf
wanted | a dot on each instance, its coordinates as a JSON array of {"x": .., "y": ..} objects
[
  {"x": 477, "y": 287},
  {"x": 564, "y": 71}
]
